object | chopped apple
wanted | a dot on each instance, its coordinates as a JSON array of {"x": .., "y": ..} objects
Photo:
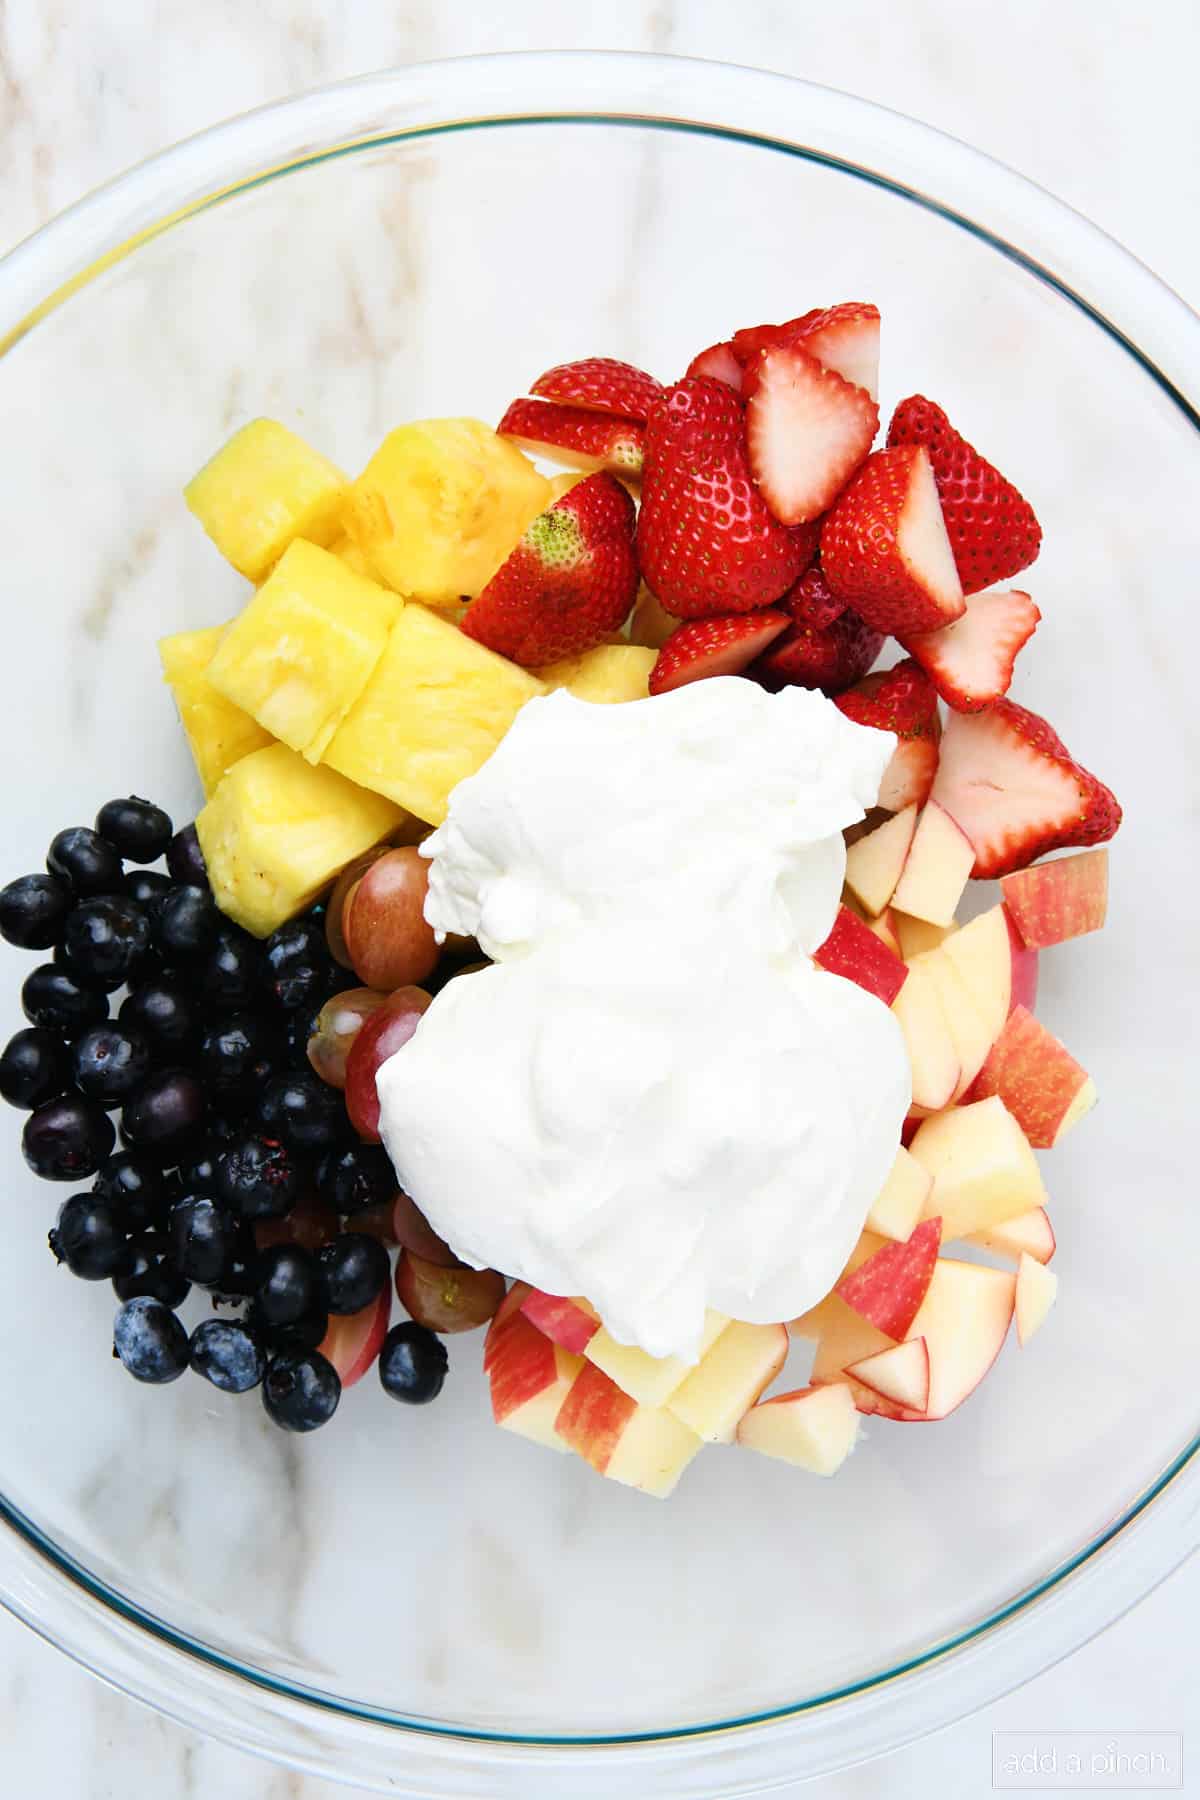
[
  {"x": 354, "y": 1340},
  {"x": 812, "y": 1428},
  {"x": 1030, "y": 1233},
  {"x": 1037, "y": 1290},
  {"x": 982, "y": 1166},
  {"x": 875, "y": 862},
  {"x": 997, "y": 969},
  {"x": 643, "y": 1447},
  {"x": 900, "y": 1374},
  {"x": 847, "y": 1339},
  {"x": 508, "y": 1309},
  {"x": 931, "y": 1052},
  {"x": 1038, "y": 1079},
  {"x": 964, "y": 1321},
  {"x": 890, "y": 1286},
  {"x": 650, "y": 1380},
  {"x": 969, "y": 1031},
  {"x": 1054, "y": 901},
  {"x": 817, "y": 1320},
  {"x": 852, "y": 950},
  {"x": 530, "y": 1380},
  {"x": 728, "y": 1380},
  {"x": 937, "y": 869},
  {"x": 569, "y": 1322},
  {"x": 898, "y": 1205},
  {"x": 884, "y": 928},
  {"x": 918, "y": 935}
]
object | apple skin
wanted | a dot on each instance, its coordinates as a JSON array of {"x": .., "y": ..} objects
[
  {"x": 852, "y": 950},
  {"x": 564, "y": 1320},
  {"x": 900, "y": 1374},
  {"x": 1052, "y": 902},
  {"x": 1037, "y": 1078},
  {"x": 889, "y": 1288}
]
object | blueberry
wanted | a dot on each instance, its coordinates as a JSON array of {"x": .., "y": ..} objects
[
  {"x": 301, "y": 1392},
  {"x": 412, "y": 1363},
  {"x": 359, "y": 1176},
  {"x": 149, "y": 1271},
  {"x": 354, "y": 1270},
  {"x": 201, "y": 1235},
  {"x": 236, "y": 1280},
  {"x": 34, "y": 1066},
  {"x": 304, "y": 1112},
  {"x": 67, "y": 1139},
  {"x": 84, "y": 861},
  {"x": 166, "y": 1114},
  {"x": 137, "y": 828},
  {"x": 257, "y": 1177},
  {"x": 303, "y": 1334},
  {"x": 106, "y": 940},
  {"x": 198, "y": 1169},
  {"x": 185, "y": 859},
  {"x": 229, "y": 1354},
  {"x": 298, "y": 1028},
  {"x": 33, "y": 911},
  {"x": 87, "y": 1237},
  {"x": 111, "y": 1061},
  {"x": 230, "y": 974},
  {"x": 150, "y": 1341},
  {"x": 235, "y": 1054},
  {"x": 147, "y": 887},
  {"x": 161, "y": 1008},
  {"x": 187, "y": 923},
  {"x": 135, "y": 1189},
  {"x": 286, "y": 1286},
  {"x": 297, "y": 967},
  {"x": 57, "y": 1000}
]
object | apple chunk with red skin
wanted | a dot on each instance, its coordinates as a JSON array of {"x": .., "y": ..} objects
[
  {"x": 970, "y": 1032},
  {"x": 937, "y": 868},
  {"x": 354, "y": 1340},
  {"x": 530, "y": 1378},
  {"x": 1038, "y": 1079},
  {"x": 982, "y": 1166},
  {"x": 996, "y": 968},
  {"x": 888, "y": 1289},
  {"x": 875, "y": 861},
  {"x": 744, "y": 1360},
  {"x": 896, "y": 1209},
  {"x": 899, "y": 1374},
  {"x": 853, "y": 951},
  {"x": 568, "y": 1321},
  {"x": 932, "y": 1056},
  {"x": 1037, "y": 1290},
  {"x": 813, "y": 1428},
  {"x": 508, "y": 1310},
  {"x": 1030, "y": 1234},
  {"x": 1052, "y": 902},
  {"x": 644, "y": 1447}
]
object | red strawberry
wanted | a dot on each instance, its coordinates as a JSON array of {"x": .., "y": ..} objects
[
  {"x": 843, "y": 338},
  {"x": 971, "y": 661},
  {"x": 902, "y": 700},
  {"x": 812, "y": 601},
  {"x": 572, "y": 435},
  {"x": 601, "y": 384},
  {"x": 993, "y": 530},
  {"x": 706, "y": 541},
  {"x": 830, "y": 657},
  {"x": 807, "y": 431},
  {"x": 569, "y": 583},
  {"x": 1009, "y": 781},
  {"x": 720, "y": 364},
  {"x": 884, "y": 547},
  {"x": 713, "y": 647}
]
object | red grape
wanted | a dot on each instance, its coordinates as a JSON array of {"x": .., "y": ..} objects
[
  {"x": 309, "y": 1224},
  {"x": 337, "y": 1027},
  {"x": 458, "y": 1299},
  {"x": 387, "y": 1030},
  {"x": 335, "y": 912},
  {"x": 376, "y": 1222},
  {"x": 383, "y": 922},
  {"x": 411, "y": 1228}
]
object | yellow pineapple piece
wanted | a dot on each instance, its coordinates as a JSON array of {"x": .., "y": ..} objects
[
  {"x": 263, "y": 488},
  {"x": 432, "y": 713},
  {"x": 303, "y": 650},
  {"x": 440, "y": 506},
  {"x": 278, "y": 831},
  {"x": 348, "y": 552},
  {"x": 606, "y": 675},
  {"x": 219, "y": 733}
]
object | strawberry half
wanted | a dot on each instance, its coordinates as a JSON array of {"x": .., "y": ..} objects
[
  {"x": 705, "y": 647},
  {"x": 902, "y": 700},
  {"x": 575, "y": 436},
  {"x": 1009, "y": 781},
  {"x": 720, "y": 364},
  {"x": 844, "y": 338},
  {"x": 707, "y": 542},
  {"x": 830, "y": 657},
  {"x": 601, "y": 384},
  {"x": 812, "y": 601},
  {"x": 884, "y": 547},
  {"x": 569, "y": 583},
  {"x": 807, "y": 430},
  {"x": 971, "y": 661},
  {"x": 994, "y": 531}
]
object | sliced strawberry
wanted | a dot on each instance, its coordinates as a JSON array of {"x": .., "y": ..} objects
[
  {"x": 844, "y": 338},
  {"x": 601, "y": 384},
  {"x": 993, "y": 530},
  {"x": 807, "y": 430},
  {"x": 902, "y": 700},
  {"x": 575, "y": 436},
  {"x": 971, "y": 661},
  {"x": 812, "y": 601},
  {"x": 887, "y": 1290},
  {"x": 1009, "y": 781},
  {"x": 853, "y": 951},
  {"x": 719, "y": 363},
  {"x": 569, "y": 583},
  {"x": 830, "y": 657},
  {"x": 713, "y": 647},
  {"x": 884, "y": 547},
  {"x": 707, "y": 543}
]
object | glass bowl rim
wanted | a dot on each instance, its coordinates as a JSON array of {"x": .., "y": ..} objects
[{"x": 330, "y": 1735}]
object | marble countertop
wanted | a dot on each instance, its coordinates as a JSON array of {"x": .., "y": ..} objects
[{"x": 1093, "y": 98}]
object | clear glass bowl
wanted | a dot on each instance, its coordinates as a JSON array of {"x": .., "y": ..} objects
[{"x": 424, "y": 1604}]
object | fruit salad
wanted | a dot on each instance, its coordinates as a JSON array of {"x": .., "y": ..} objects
[{"x": 572, "y": 944}]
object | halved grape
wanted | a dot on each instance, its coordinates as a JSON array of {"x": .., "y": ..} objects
[
  {"x": 387, "y": 1030},
  {"x": 383, "y": 922},
  {"x": 335, "y": 910},
  {"x": 445, "y": 1300}
]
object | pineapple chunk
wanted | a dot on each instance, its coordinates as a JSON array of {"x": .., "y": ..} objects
[
  {"x": 277, "y": 831},
  {"x": 219, "y": 734},
  {"x": 606, "y": 675},
  {"x": 348, "y": 552},
  {"x": 432, "y": 713},
  {"x": 441, "y": 505},
  {"x": 303, "y": 650},
  {"x": 263, "y": 488}
]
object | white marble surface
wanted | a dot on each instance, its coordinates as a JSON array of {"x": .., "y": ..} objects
[{"x": 1092, "y": 98}]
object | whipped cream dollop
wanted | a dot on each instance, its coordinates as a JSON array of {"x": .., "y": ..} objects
[{"x": 654, "y": 1098}]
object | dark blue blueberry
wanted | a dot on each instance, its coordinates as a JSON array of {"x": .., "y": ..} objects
[
  {"x": 202, "y": 1235},
  {"x": 301, "y": 1392},
  {"x": 33, "y": 911},
  {"x": 135, "y": 1187},
  {"x": 187, "y": 923},
  {"x": 87, "y": 1237},
  {"x": 150, "y": 1341},
  {"x": 149, "y": 1271},
  {"x": 304, "y": 1112},
  {"x": 185, "y": 859},
  {"x": 35, "y": 1065},
  {"x": 230, "y": 976},
  {"x": 297, "y": 968},
  {"x": 286, "y": 1286},
  {"x": 111, "y": 1061},
  {"x": 136, "y": 828},
  {"x": 67, "y": 1139},
  {"x": 230, "y": 1354},
  {"x": 162, "y": 1008},
  {"x": 106, "y": 940},
  {"x": 81, "y": 858},
  {"x": 147, "y": 887},
  {"x": 356, "y": 1177},
  {"x": 57, "y": 1000},
  {"x": 354, "y": 1269},
  {"x": 258, "y": 1178},
  {"x": 235, "y": 1056},
  {"x": 166, "y": 1114},
  {"x": 412, "y": 1363}
]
